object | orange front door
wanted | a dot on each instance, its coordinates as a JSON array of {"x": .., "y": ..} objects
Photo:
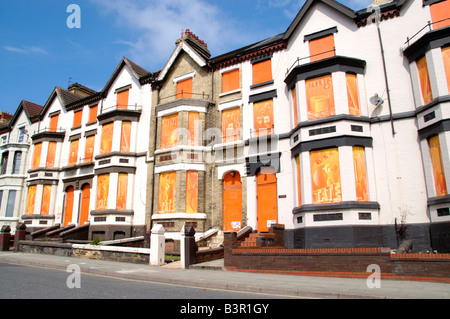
[
  {"x": 232, "y": 202},
  {"x": 68, "y": 209},
  {"x": 85, "y": 201},
  {"x": 267, "y": 206}
]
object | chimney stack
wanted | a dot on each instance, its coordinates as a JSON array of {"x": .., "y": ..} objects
[{"x": 380, "y": 2}]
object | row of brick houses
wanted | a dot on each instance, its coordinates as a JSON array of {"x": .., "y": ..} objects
[{"x": 336, "y": 128}]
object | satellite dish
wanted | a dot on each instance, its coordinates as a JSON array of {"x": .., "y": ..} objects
[{"x": 376, "y": 100}]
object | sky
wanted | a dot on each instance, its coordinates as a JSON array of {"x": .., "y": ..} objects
[{"x": 42, "y": 46}]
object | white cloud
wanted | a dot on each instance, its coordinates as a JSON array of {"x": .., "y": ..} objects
[{"x": 26, "y": 50}]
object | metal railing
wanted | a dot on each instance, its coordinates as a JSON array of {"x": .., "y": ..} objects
[
  {"x": 187, "y": 95},
  {"x": 134, "y": 107},
  {"x": 297, "y": 61},
  {"x": 427, "y": 26}
]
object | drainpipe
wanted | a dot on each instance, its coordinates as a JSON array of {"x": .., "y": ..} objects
[
  {"x": 158, "y": 89},
  {"x": 376, "y": 8}
]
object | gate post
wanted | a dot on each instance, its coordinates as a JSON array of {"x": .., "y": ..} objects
[
  {"x": 157, "y": 245},
  {"x": 5, "y": 237},
  {"x": 21, "y": 232},
  {"x": 188, "y": 249}
]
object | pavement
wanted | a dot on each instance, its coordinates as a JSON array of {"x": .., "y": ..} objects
[{"x": 212, "y": 275}]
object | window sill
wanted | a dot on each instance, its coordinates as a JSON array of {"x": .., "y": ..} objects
[
  {"x": 229, "y": 92},
  {"x": 255, "y": 86}
]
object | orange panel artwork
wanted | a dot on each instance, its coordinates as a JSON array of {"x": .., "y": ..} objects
[
  {"x": 89, "y": 149},
  {"x": 359, "y": 164},
  {"x": 191, "y": 192},
  {"x": 169, "y": 131},
  {"x": 352, "y": 94},
  {"x": 184, "y": 89},
  {"x": 294, "y": 105},
  {"x": 51, "y": 154},
  {"x": 54, "y": 123},
  {"x": 230, "y": 81},
  {"x": 73, "y": 155},
  {"x": 438, "y": 171},
  {"x": 231, "y": 119},
  {"x": 321, "y": 48},
  {"x": 107, "y": 136},
  {"x": 102, "y": 191},
  {"x": 31, "y": 199},
  {"x": 45, "y": 206},
  {"x": 446, "y": 57},
  {"x": 36, "y": 155},
  {"x": 299, "y": 181},
  {"x": 319, "y": 97},
  {"x": 440, "y": 14},
  {"x": 424, "y": 80},
  {"x": 122, "y": 186},
  {"x": 122, "y": 99},
  {"x": 326, "y": 179},
  {"x": 125, "y": 136},
  {"x": 263, "y": 117},
  {"x": 262, "y": 72},
  {"x": 193, "y": 128},
  {"x": 167, "y": 188}
]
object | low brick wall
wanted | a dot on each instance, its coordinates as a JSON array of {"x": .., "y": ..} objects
[
  {"x": 45, "y": 247},
  {"x": 113, "y": 253},
  {"x": 345, "y": 262}
]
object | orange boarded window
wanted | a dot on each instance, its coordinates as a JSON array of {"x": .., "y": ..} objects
[
  {"x": 31, "y": 199},
  {"x": 263, "y": 117},
  {"x": 107, "y": 136},
  {"x": 73, "y": 155},
  {"x": 77, "y": 118},
  {"x": 231, "y": 119},
  {"x": 169, "y": 131},
  {"x": 46, "y": 194},
  {"x": 89, "y": 149},
  {"x": 359, "y": 164},
  {"x": 51, "y": 154},
  {"x": 68, "y": 209},
  {"x": 167, "y": 188},
  {"x": 440, "y": 14},
  {"x": 352, "y": 94},
  {"x": 93, "y": 113},
  {"x": 262, "y": 72},
  {"x": 438, "y": 170},
  {"x": 299, "y": 181},
  {"x": 184, "y": 89},
  {"x": 193, "y": 128},
  {"x": 102, "y": 191},
  {"x": 54, "y": 123},
  {"x": 424, "y": 80},
  {"x": 325, "y": 174},
  {"x": 294, "y": 105},
  {"x": 36, "y": 155},
  {"x": 446, "y": 57},
  {"x": 230, "y": 81},
  {"x": 122, "y": 99},
  {"x": 321, "y": 48},
  {"x": 191, "y": 192},
  {"x": 125, "y": 136},
  {"x": 319, "y": 97},
  {"x": 122, "y": 186}
]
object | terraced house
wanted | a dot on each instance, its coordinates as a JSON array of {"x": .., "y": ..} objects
[{"x": 336, "y": 128}]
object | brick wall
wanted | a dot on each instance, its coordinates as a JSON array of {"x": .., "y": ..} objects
[{"x": 336, "y": 262}]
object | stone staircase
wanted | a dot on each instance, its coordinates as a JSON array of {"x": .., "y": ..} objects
[{"x": 257, "y": 240}]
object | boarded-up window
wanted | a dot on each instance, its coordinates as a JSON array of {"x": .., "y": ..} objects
[
  {"x": 294, "y": 105},
  {"x": 125, "y": 136},
  {"x": 122, "y": 185},
  {"x": 46, "y": 194},
  {"x": 77, "y": 118},
  {"x": 263, "y": 117},
  {"x": 359, "y": 164},
  {"x": 446, "y": 57},
  {"x": 230, "y": 81},
  {"x": 231, "y": 119},
  {"x": 440, "y": 14},
  {"x": 321, "y": 48},
  {"x": 184, "y": 89},
  {"x": 36, "y": 155},
  {"x": 325, "y": 174},
  {"x": 424, "y": 79},
  {"x": 122, "y": 99},
  {"x": 51, "y": 153},
  {"x": 54, "y": 123},
  {"x": 107, "y": 136},
  {"x": 193, "y": 128},
  {"x": 320, "y": 97},
  {"x": 102, "y": 191},
  {"x": 352, "y": 94},
  {"x": 191, "y": 192},
  {"x": 438, "y": 169},
  {"x": 31, "y": 200},
  {"x": 262, "y": 72},
  {"x": 169, "y": 131},
  {"x": 89, "y": 149},
  {"x": 93, "y": 113},
  {"x": 167, "y": 191},
  {"x": 73, "y": 155}
]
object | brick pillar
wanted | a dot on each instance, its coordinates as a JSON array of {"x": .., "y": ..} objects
[
  {"x": 188, "y": 248},
  {"x": 5, "y": 237},
  {"x": 21, "y": 232},
  {"x": 278, "y": 230},
  {"x": 157, "y": 245},
  {"x": 229, "y": 243}
]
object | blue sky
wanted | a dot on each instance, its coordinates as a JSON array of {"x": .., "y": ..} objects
[{"x": 38, "y": 51}]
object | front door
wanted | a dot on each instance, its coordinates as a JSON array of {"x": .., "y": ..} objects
[
  {"x": 85, "y": 201},
  {"x": 232, "y": 202},
  {"x": 267, "y": 197},
  {"x": 68, "y": 209}
]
